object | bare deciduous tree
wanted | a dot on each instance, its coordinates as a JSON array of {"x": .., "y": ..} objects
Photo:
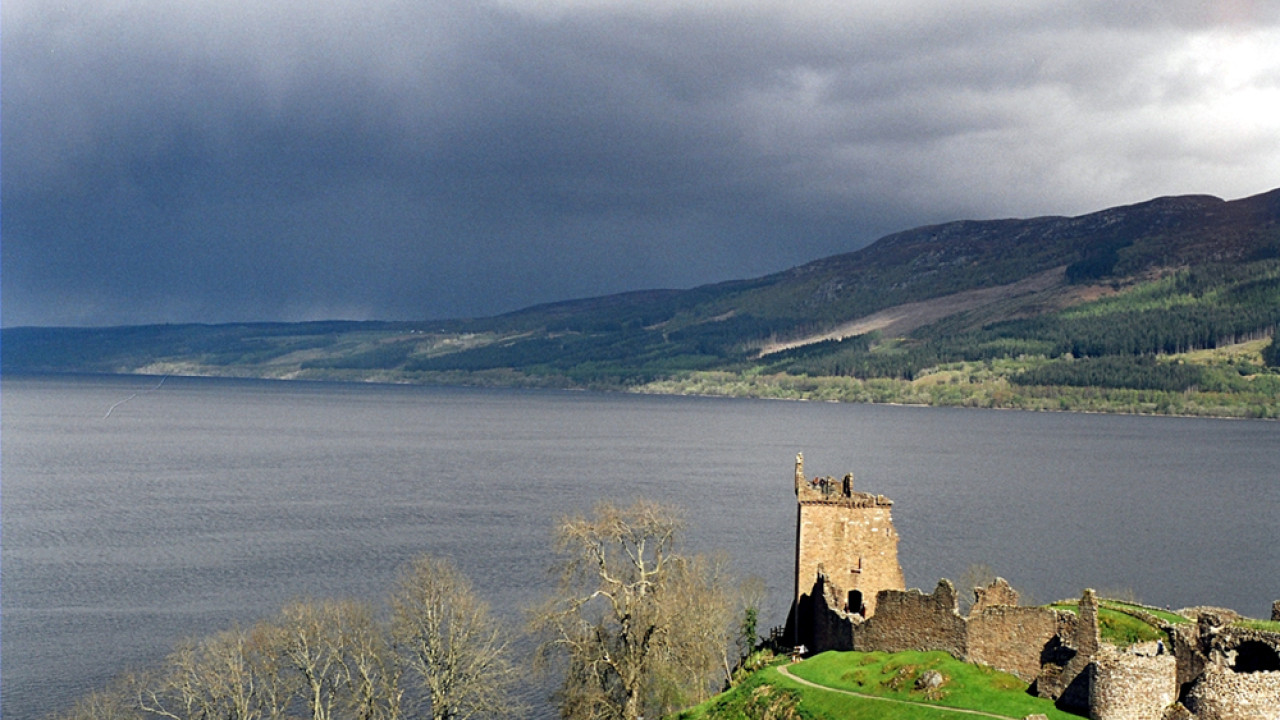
[
  {"x": 232, "y": 674},
  {"x": 701, "y": 632},
  {"x": 637, "y": 627},
  {"x": 371, "y": 669},
  {"x": 314, "y": 642},
  {"x": 334, "y": 660},
  {"x": 640, "y": 628},
  {"x": 115, "y": 702},
  {"x": 453, "y": 644}
]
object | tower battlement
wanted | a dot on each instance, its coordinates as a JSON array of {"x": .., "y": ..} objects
[{"x": 829, "y": 491}]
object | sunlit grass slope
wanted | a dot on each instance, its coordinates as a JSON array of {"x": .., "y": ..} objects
[{"x": 890, "y": 681}]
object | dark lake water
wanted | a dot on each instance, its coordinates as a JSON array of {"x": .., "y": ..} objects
[{"x": 136, "y": 513}]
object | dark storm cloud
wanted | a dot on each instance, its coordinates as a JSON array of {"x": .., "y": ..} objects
[{"x": 174, "y": 161}]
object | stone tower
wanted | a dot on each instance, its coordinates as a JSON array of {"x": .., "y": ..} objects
[{"x": 848, "y": 538}]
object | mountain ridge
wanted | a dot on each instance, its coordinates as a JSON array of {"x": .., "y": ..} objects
[{"x": 1149, "y": 280}]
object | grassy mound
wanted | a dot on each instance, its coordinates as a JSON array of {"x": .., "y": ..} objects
[
  {"x": 1120, "y": 628},
  {"x": 888, "y": 688}
]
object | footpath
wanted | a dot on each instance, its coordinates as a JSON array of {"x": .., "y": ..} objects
[{"x": 938, "y": 708}]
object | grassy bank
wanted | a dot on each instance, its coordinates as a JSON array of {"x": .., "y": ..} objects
[{"x": 886, "y": 688}]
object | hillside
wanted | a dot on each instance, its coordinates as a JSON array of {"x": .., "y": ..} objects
[{"x": 1164, "y": 306}]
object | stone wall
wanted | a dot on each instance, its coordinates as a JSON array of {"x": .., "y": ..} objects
[
  {"x": 1246, "y": 649},
  {"x": 817, "y": 623},
  {"x": 856, "y": 547},
  {"x": 1184, "y": 641},
  {"x": 999, "y": 592},
  {"x": 1012, "y": 639},
  {"x": 1008, "y": 638},
  {"x": 849, "y": 535},
  {"x": 1070, "y": 682},
  {"x": 911, "y": 620},
  {"x": 1129, "y": 686},
  {"x": 1220, "y": 694},
  {"x": 1064, "y": 655}
]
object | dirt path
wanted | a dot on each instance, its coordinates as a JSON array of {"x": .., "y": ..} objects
[{"x": 787, "y": 673}]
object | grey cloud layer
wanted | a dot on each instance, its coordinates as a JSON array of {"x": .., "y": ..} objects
[{"x": 175, "y": 161}]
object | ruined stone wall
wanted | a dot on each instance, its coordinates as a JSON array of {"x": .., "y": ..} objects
[
  {"x": 1061, "y": 652},
  {"x": 821, "y": 624},
  {"x": 1220, "y": 694},
  {"x": 1231, "y": 639},
  {"x": 1127, "y": 686},
  {"x": 999, "y": 592},
  {"x": 1006, "y": 637},
  {"x": 1068, "y": 624},
  {"x": 1184, "y": 643},
  {"x": 856, "y": 546},
  {"x": 1066, "y": 676},
  {"x": 849, "y": 595},
  {"x": 1011, "y": 639},
  {"x": 849, "y": 535},
  {"x": 911, "y": 620}
]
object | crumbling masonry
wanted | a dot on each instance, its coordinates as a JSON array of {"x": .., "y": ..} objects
[
  {"x": 849, "y": 595},
  {"x": 847, "y": 535}
]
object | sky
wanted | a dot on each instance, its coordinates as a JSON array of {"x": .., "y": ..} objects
[{"x": 167, "y": 161}]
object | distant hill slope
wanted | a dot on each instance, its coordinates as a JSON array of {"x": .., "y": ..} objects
[{"x": 1102, "y": 301}]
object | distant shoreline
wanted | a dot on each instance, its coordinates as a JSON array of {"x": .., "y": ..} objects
[{"x": 900, "y": 393}]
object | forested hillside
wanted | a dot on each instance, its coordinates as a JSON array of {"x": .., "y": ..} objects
[{"x": 1165, "y": 306}]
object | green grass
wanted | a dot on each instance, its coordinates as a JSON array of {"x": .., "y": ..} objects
[
  {"x": 1168, "y": 616},
  {"x": 1119, "y": 628},
  {"x": 1266, "y": 625},
  {"x": 884, "y": 675}
]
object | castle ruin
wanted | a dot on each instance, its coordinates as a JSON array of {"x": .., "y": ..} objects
[
  {"x": 850, "y": 595},
  {"x": 847, "y": 536}
]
